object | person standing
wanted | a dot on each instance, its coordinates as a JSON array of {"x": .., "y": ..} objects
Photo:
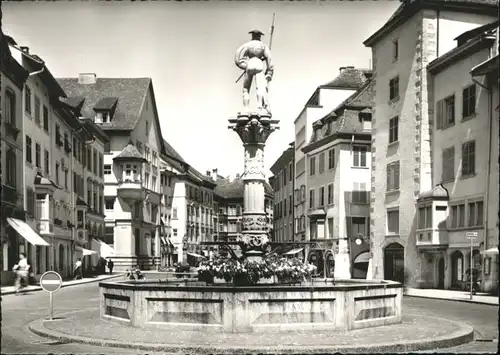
[
  {"x": 110, "y": 266},
  {"x": 78, "y": 270},
  {"x": 22, "y": 271}
]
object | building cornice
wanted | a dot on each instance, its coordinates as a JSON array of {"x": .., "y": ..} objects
[{"x": 336, "y": 139}]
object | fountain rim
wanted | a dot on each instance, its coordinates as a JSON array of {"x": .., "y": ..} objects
[{"x": 152, "y": 285}]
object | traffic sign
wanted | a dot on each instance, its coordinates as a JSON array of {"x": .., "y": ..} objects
[
  {"x": 471, "y": 235},
  {"x": 51, "y": 281}
]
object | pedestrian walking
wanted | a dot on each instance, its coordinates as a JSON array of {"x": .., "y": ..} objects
[
  {"x": 110, "y": 266},
  {"x": 22, "y": 271},
  {"x": 78, "y": 270}
]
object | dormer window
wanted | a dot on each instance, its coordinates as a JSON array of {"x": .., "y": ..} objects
[
  {"x": 105, "y": 109},
  {"x": 102, "y": 117}
]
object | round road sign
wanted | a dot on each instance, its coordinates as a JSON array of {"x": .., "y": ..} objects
[{"x": 51, "y": 281}]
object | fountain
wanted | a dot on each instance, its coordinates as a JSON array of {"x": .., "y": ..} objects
[{"x": 236, "y": 307}]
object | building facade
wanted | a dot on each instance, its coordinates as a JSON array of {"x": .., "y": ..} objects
[
  {"x": 464, "y": 167},
  {"x": 417, "y": 33},
  {"x": 11, "y": 158},
  {"x": 338, "y": 182},
  {"x": 324, "y": 99},
  {"x": 125, "y": 109},
  {"x": 283, "y": 186},
  {"x": 192, "y": 214}
]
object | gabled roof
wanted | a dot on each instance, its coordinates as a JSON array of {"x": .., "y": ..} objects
[
  {"x": 360, "y": 99},
  {"x": 76, "y": 103},
  {"x": 129, "y": 152},
  {"x": 130, "y": 92},
  {"x": 410, "y": 7},
  {"x": 482, "y": 39},
  {"x": 180, "y": 164},
  {"x": 347, "y": 118},
  {"x": 349, "y": 78},
  {"x": 8, "y": 65},
  {"x": 284, "y": 159}
]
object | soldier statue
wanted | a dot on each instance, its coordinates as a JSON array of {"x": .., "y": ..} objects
[{"x": 250, "y": 57}]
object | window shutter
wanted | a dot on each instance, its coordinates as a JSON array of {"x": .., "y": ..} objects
[
  {"x": 439, "y": 114},
  {"x": 396, "y": 176},
  {"x": 348, "y": 225},
  {"x": 388, "y": 177}
]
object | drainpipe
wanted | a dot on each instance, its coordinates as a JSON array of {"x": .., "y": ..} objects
[{"x": 488, "y": 170}]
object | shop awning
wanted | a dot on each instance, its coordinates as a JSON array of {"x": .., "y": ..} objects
[
  {"x": 26, "y": 232},
  {"x": 195, "y": 255},
  {"x": 490, "y": 251},
  {"x": 294, "y": 251},
  {"x": 167, "y": 241},
  {"x": 86, "y": 251},
  {"x": 362, "y": 258}
]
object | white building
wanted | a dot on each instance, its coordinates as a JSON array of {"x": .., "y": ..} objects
[
  {"x": 417, "y": 33},
  {"x": 338, "y": 184},
  {"x": 464, "y": 166},
  {"x": 125, "y": 109}
]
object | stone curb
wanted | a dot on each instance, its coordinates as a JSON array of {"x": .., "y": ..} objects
[
  {"x": 453, "y": 299},
  {"x": 464, "y": 335},
  {"x": 39, "y": 288}
]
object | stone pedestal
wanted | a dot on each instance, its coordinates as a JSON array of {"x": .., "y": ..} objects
[
  {"x": 254, "y": 128},
  {"x": 342, "y": 261}
]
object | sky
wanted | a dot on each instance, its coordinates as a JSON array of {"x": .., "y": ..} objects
[{"x": 188, "y": 48}]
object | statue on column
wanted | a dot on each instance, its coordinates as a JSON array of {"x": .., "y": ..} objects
[{"x": 250, "y": 58}]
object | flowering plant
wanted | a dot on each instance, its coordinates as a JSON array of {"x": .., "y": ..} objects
[{"x": 250, "y": 272}]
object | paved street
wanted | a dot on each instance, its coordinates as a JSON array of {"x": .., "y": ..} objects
[{"x": 18, "y": 311}]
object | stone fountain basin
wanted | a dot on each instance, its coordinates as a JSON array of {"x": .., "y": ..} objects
[{"x": 343, "y": 306}]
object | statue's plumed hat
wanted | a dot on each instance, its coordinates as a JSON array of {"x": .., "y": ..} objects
[{"x": 256, "y": 32}]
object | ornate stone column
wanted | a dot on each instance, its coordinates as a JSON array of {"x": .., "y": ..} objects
[{"x": 254, "y": 128}]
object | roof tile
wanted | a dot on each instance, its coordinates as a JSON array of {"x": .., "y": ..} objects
[
  {"x": 130, "y": 92},
  {"x": 349, "y": 78},
  {"x": 129, "y": 152}
]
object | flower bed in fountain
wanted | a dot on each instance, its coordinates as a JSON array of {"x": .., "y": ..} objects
[{"x": 244, "y": 272}]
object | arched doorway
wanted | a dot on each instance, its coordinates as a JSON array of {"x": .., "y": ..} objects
[
  {"x": 440, "y": 284},
  {"x": 457, "y": 269},
  {"x": 394, "y": 262},
  {"x": 360, "y": 265}
]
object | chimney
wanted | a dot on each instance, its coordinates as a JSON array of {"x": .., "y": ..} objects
[
  {"x": 87, "y": 78},
  {"x": 25, "y": 49},
  {"x": 341, "y": 69},
  {"x": 208, "y": 173},
  {"x": 214, "y": 174},
  {"x": 237, "y": 176}
]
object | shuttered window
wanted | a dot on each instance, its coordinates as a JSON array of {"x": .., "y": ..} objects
[
  {"x": 468, "y": 158},
  {"x": 448, "y": 172},
  {"x": 445, "y": 112},
  {"x": 393, "y": 176}
]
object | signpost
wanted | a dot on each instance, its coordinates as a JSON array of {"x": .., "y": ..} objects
[
  {"x": 471, "y": 236},
  {"x": 51, "y": 282}
]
